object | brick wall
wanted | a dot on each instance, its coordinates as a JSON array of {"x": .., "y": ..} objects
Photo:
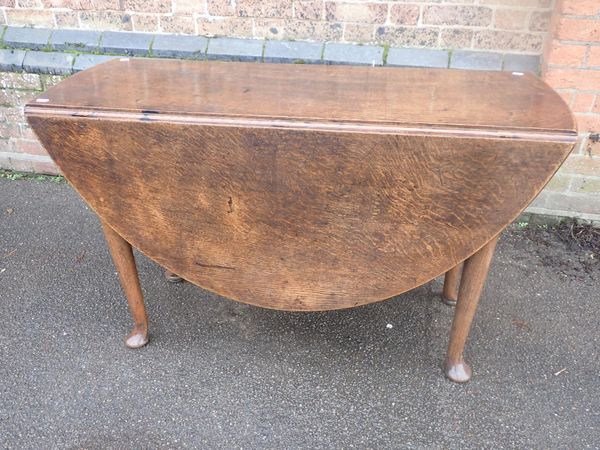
[
  {"x": 16, "y": 138},
  {"x": 572, "y": 67},
  {"x": 498, "y": 25}
]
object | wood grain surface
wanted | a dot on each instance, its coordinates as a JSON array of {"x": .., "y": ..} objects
[
  {"x": 317, "y": 93},
  {"x": 297, "y": 219}
]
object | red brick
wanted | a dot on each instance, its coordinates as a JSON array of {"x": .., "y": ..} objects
[
  {"x": 105, "y": 20},
  {"x": 50, "y": 80},
  {"x": 520, "y": 3},
  {"x": 596, "y": 106},
  {"x": 566, "y": 55},
  {"x": 177, "y": 24},
  {"x": 567, "y": 96},
  {"x": 10, "y": 130},
  {"x": 145, "y": 22},
  {"x": 312, "y": 30},
  {"x": 583, "y": 102},
  {"x": 276, "y": 9},
  {"x": 227, "y": 26},
  {"x": 152, "y": 6},
  {"x": 308, "y": 10},
  {"x": 7, "y": 146},
  {"x": 102, "y": 5},
  {"x": 29, "y": 4},
  {"x": 407, "y": 36},
  {"x": 66, "y": 19},
  {"x": 218, "y": 8},
  {"x": 27, "y": 132},
  {"x": 263, "y": 8},
  {"x": 508, "y": 41},
  {"x": 269, "y": 28},
  {"x": 69, "y": 4},
  {"x": 17, "y": 82},
  {"x": 356, "y": 12},
  {"x": 587, "y": 80},
  {"x": 580, "y": 7},
  {"x": 585, "y": 30},
  {"x": 189, "y": 6},
  {"x": 30, "y": 147},
  {"x": 583, "y": 165},
  {"x": 510, "y": 19},
  {"x": 404, "y": 14},
  {"x": 594, "y": 57},
  {"x": 540, "y": 21},
  {"x": 6, "y": 97},
  {"x": 456, "y": 38},
  {"x": 358, "y": 32},
  {"x": 588, "y": 122},
  {"x": 30, "y": 17},
  {"x": 479, "y": 16}
]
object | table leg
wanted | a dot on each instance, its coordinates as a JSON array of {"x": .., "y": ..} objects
[
  {"x": 122, "y": 255},
  {"x": 473, "y": 278},
  {"x": 451, "y": 282}
]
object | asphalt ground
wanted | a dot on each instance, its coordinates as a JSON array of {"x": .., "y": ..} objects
[{"x": 220, "y": 374}]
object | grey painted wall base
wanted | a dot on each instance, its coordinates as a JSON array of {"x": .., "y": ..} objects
[{"x": 62, "y": 52}]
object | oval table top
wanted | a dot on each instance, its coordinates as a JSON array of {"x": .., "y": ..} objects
[
  {"x": 304, "y": 187},
  {"x": 506, "y": 101}
]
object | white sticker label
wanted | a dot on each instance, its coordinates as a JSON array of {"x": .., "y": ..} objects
[{"x": 42, "y": 100}]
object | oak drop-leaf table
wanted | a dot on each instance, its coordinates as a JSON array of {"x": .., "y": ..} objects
[{"x": 305, "y": 187}]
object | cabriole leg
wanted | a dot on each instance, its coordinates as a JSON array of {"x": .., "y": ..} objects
[
  {"x": 451, "y": 282},
  {"x": 473, "y": 278},
  {"x": 122, "y": 255}
]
